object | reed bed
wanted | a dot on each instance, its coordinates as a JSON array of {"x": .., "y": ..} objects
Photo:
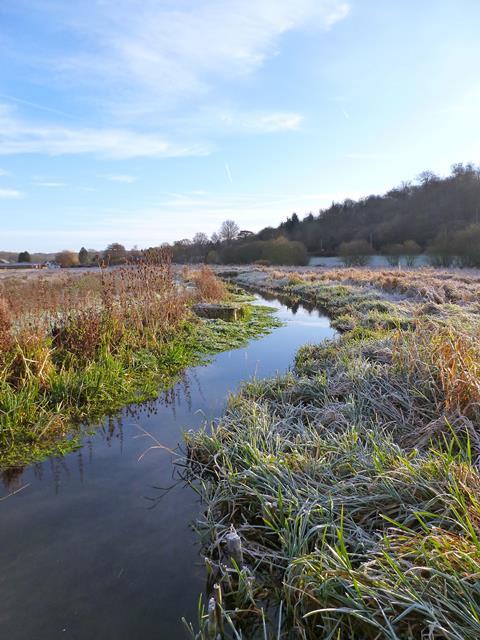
[
  {"x": 74, "y": 348},
  {"x": 352, "y": 483}
]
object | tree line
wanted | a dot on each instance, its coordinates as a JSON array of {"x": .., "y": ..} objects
[{"x": 433, "y": 215}]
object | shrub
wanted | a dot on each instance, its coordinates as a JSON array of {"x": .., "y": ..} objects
[
  {"x": 441, "y": 251},
  {"x": 279, "y": 252},
  {"x": 355, "y": 253},
  {"x": 467, "y": 246},
  {"x": 393, "y": 252},
  {"x": 283, "y": 251},
  {"x": 212, "y": 257},
  {"x": 411, "y": 250},
  {"x": 66, "y": 259}
]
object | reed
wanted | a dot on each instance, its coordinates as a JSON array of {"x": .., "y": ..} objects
[{"x": 74, "y": 348}]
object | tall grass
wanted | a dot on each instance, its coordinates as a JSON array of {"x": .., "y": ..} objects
[
  {"x": 353, "y": 482},
  {"x": 74, "y": 348}
]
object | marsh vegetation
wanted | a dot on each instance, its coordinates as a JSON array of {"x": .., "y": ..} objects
[
  {"x": 352, "y": 482},
  {"x": 74, "y": 348}
]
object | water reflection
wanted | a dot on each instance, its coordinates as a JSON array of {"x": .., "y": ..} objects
[{"x": 99, "y": 543}]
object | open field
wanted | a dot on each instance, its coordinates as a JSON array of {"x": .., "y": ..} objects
[
  {"x": 76, "y": 346},
  {"x": 342, "y": 500}
]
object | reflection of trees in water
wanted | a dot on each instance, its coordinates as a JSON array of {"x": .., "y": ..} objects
[
  {"x": 292, "y": 303},
  {"x": 11, "y": 478},
  {"x": 111, "y": 431}
]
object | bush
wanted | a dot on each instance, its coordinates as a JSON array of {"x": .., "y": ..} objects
[
  {"x": 283, "y": 251},
  {"x": 355, "y": 253},
  {"x": 279, "y": 252},
  {"x": 441, "y": 251},
  {"x": 411, "y": 250},
  {"x": 66, "y": 259},
  {"x": 212, "y": 257},
  {"x": 467, "y": 246},
  {"x": 393, "y": 252}
]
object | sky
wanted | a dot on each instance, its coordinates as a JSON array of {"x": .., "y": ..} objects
[{"x": 146, "y": 121}]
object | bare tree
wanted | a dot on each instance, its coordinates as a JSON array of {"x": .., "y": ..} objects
[
  {"x": 200, "y": 238},
  {"x": 228, "y": 230}
]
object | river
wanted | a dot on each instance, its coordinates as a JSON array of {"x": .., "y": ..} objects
[{"x": 99, "y": 543}]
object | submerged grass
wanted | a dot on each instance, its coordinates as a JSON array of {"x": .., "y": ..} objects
[
  {"x": 353, "y": 483},
  {"x": 75, "y": 350}
]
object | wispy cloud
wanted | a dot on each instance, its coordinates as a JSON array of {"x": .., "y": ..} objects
[
  {"x": 19, "y": 136},
  {"x": 122, "y": 178},
  {"x": 3, "y": 172},
  {"x": 10, "y": 193},
  {"x": 49, "y": 185},
  {"x": 154, "y": 53},
  {"x": 258, "y": 121}
]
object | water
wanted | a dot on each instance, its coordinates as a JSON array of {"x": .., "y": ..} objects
[{"x": 98, "y": 544}]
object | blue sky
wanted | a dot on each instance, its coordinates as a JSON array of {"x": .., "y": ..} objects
[{"x": 144, "y": 121}]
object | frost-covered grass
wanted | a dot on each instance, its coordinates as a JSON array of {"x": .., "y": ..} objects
[{"x": 353, "y": 482}]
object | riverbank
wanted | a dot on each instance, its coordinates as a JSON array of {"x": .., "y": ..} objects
[
  {"x": 352, "y": 482},
  {"x": 76, "y": 349}
]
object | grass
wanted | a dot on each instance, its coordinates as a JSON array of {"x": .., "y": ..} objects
[
  {"x": 74, "y": 349},
  {"x": 352, "y": 482}
]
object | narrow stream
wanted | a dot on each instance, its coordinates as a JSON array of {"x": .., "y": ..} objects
[{"x": 98, "y": 544}]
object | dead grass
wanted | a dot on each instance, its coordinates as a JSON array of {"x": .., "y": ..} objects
[
  {"x": 209, "y": 287},
  {"x": 75, "y": 346},
  {"x": 428, "y": 285}
]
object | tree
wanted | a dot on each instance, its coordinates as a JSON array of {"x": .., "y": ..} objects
[
  {"x": 24, "y": 256},
  {"x": 115, "y": 253},
  {"x": 441, "y": 250},
  {"x": 393, "y": 252},
  {"x": 201, "y": 245},
  {"x": 411, "y": 250},
  {"x": 355, "y": 253},
  {"x": 244, "y": 234},
  {"x": 66, "y": 259},
  {"x": 467, "y": 246},
  {"x": 228, "y": 231},
  {"x": 212, "y": 257},
  {"x": 200, "y": 238},
  {"x": 83, "y": 257},
  {"x": 426, "y": 177}
]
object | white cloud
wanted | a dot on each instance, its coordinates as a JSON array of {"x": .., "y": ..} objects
[
  {"x": 10, "y": 193},
  {"x": 152, "y": 53},
  {"x": 18, "y": 136},
  {"x": 122, "y": 178},
  {"x": 3, "y": 173}
]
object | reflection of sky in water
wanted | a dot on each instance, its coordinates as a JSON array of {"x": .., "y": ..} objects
[{"x": 98, "y": 545}]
